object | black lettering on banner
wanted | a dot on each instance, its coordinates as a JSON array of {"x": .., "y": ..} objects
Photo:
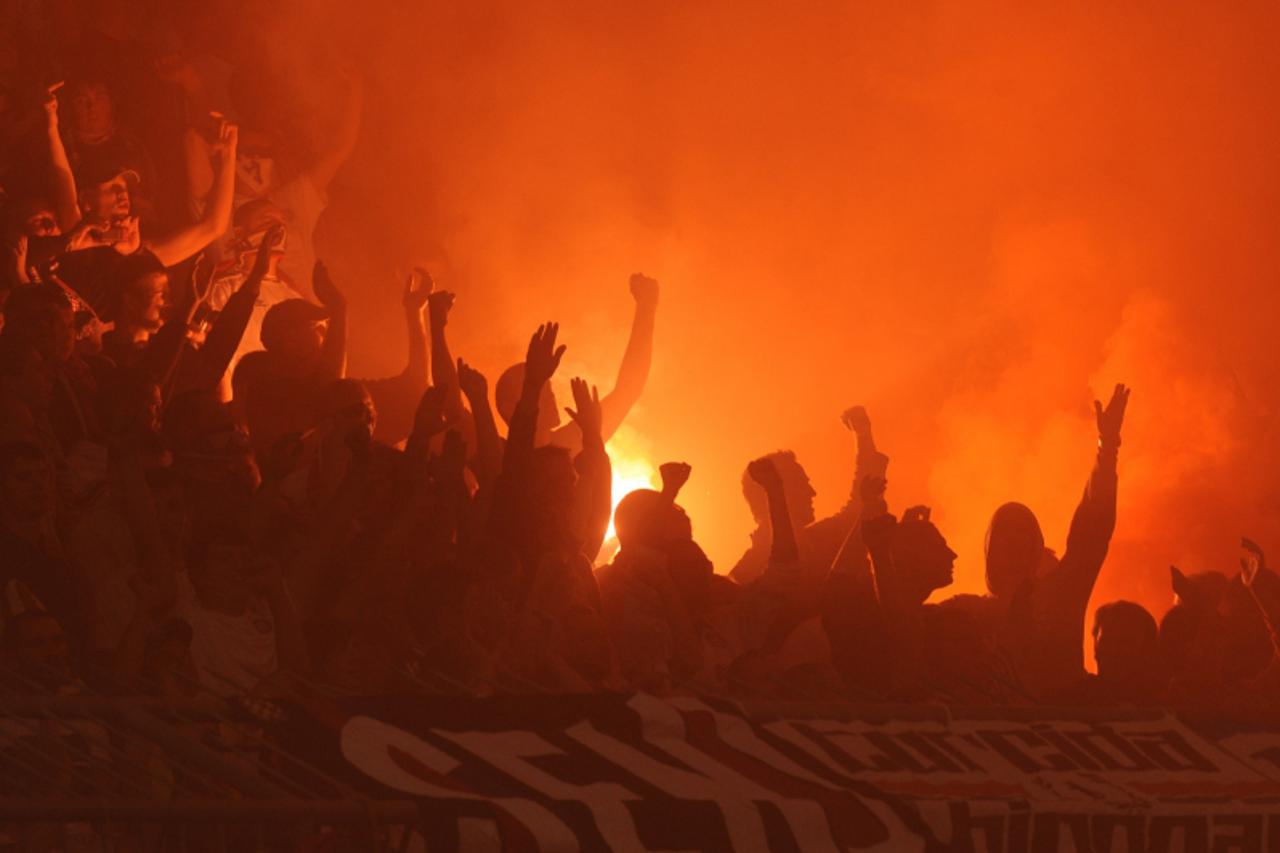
[
  {"x": 943, "y": 742},
  {"x": 889, "y": 745},
  {"x": 1063, "y": 742},
  {"x": 1018, "y": 834},
  {"x": 1178, "y": 834},
  {"x": 983, "y": 833},
  {"x": 1121, "y": 833},
  {"x": 850, "y": 743},
  {"x": 1001, "y": 742},
  {"x": 1170, "y": 751},
  {"x": 1238, "y": 833},
  {"x": 1054, "y": 831},
  {"x": 1114, "y": 751},
  {"x": 639, "y": 773}
]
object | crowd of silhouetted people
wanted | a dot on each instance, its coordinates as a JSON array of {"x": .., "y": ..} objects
[{"x": 197, "y": 499}]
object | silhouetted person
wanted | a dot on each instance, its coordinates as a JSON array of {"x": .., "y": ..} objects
[
  {"x": 632, "y": 376},
  {"x": 1036, "y": 606},
  {"x": 1126, "y": 649},
  {"x": 820, "y": 541}
]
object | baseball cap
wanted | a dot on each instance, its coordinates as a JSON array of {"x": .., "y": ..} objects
[{"x": 290, "y": 313}]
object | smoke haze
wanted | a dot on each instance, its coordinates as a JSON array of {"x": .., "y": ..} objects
[{"x": 972, "y": 218}]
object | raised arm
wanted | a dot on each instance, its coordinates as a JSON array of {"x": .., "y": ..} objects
[
  {"x": 64, "y": 182},
  {"x": 417, "y": 290},
  {"x": 488, "y": 441},
  {"x": 634, "y": 371},
  {"x": 674, "y": 476},
  {"x": 541, "y": 362},
  {"x": 869, "y": 462},
  {"x": 593, "y": 500},
  {"x": 1095, "y": 518},
  {"x": 216, "y": 219},
  {"x": 783, "y": 548},
  {"x": 224, "y": 338},
  {"x": 444, "y": 373},
  {"x": 1264, "y": 585},
  {"x": 333, "y": 358}
]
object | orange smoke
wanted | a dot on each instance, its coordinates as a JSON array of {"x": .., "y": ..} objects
[{"x": 972, "y": 218}]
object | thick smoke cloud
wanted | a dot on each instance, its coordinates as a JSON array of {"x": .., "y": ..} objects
[{"x": 973, "y": 219}]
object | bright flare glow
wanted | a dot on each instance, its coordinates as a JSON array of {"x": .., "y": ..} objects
[{"x": 631, "y": 470}]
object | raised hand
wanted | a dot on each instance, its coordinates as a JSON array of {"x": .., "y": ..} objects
[
  {"x": 472, "y": 382},
  {"x": 326, "y": 291},
  {"x": 1252, "y": 561},
  {"x": 439, "y": 304},
  {"x": 270, "y": 240},
  {"x": 88, "y": 234},
  {"x": 429, "y": 419},
  {"x": 130, "y": 236},
  {"x": 417, "y": 288},
  {"x": 224, "y": 146},
  {"x": 543, "y": 356},
  {"x": 674, "y": 476},
  {"x": 856, "y": 420},
  {"x": 644, "y": 289},
  {"x": 18, "y": 251},
  {"x": 588, "y": 416},
  {"x": 764, "y": 472},
  {"x": 917, "y": 513},
  {"x": 1111, "y": 418},
  {"x": 51, "y": 103}
]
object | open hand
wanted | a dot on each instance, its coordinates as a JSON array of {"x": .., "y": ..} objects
[
  {"x": 326, "y": 291},
  {"x": 224, "y": 145},
  {"x": 588, "y": 416},
  {"x": 543, "y": 356},
  {"x": 417, "y": 288},
  {"x": 1111, "y": 418}
]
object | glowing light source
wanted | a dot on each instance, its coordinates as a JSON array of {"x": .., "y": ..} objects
[{"x": 631, "y": 470}]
